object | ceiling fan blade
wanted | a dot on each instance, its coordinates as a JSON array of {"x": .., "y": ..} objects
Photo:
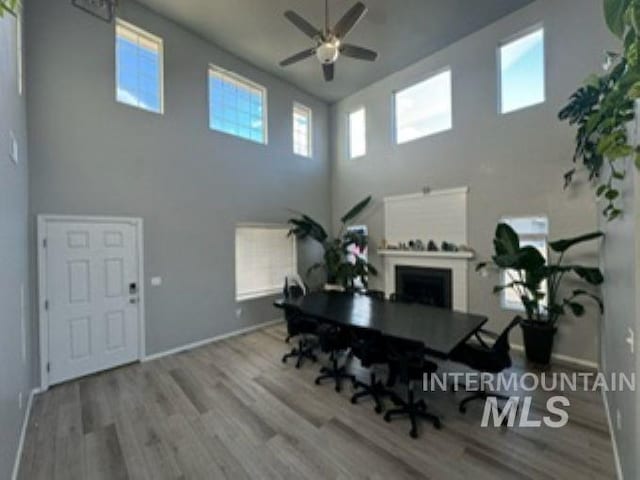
[
  {"x": 350, "y": 19},
  {"x": 297, "y": 57},
  {"x": 360, "y": 53},
  {"x": 328, "y": 69},
  {"x": 302, "y": 24}
]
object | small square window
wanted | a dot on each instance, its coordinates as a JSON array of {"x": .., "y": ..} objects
[
  {"x": 357, "y": 133},
  {"x": 302, "y": 129},
  {"x": 522, "y": 72},
  {"x": 237, "y": 106},
  {"x": 139, "y": 68},
  {"x": 424, "y": 108}
]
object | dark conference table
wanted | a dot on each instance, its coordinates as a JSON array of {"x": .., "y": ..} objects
[{"x": 438, "y": 329}]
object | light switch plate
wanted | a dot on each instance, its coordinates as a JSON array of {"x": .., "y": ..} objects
[
  {"x": 13, "y": 148},
  {"x": 156, "y": 281}
]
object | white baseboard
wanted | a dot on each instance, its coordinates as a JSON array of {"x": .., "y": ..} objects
[
  {"x": 565, "y": 359},
  {"x": 612, "y": 433},
  {"x": 23, "y": 433},
  {"x": 207, "y": 341}
]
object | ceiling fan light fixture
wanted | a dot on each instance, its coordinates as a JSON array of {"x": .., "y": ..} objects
[{"x": 328, "y": 52}]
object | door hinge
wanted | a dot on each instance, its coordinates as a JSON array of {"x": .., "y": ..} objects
[
  {"x": 44, "y": 242},
  {"x": 46, "y": 304},
  {"x": 48, "y": 367}
]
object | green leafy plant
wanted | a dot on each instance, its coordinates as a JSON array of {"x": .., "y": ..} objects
[
  {"x": 603, "y": 107},
  {"x": 341, "y": 266},
  {"x": 528, "y": 272},
  {"x": 8, "y": 6}
]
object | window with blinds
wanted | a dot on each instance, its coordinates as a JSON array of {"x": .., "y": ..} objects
[
  {"x": 139, "y": 68},
  {"x": 264, "y": 257},
  {"x": 302, "y": 130},
  {"x": 237, "y": 106}
]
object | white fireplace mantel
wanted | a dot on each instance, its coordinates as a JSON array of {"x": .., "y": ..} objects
[{"x": 457, "y": 262}]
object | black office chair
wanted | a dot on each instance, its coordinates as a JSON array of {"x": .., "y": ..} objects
[
  {"x": 407, "y": 358},
  {"x": 303, "y": 327},
  {"x": 484, "y": 358},
  {"x": 377, "y": 294},
  {"x": 334, "y": 341},
  {"x": 370, "y": 348}
]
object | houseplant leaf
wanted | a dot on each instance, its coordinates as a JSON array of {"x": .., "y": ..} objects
[
  {"x": 355, "y": 211},
  {"x": 614, "y": 11},
  {"x": 591, "y": 275},
  {"x": 506, "y": 240},
  {"x": 561, "y": 246}
]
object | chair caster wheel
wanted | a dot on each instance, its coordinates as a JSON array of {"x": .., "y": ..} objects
[
  {"x": 298, "y": 366},
  {"x": 462, "y": 409},
  {"x": 284, "y": 359},
  {"x": 378, "y": 409},
  {"x": 436, "y": 424},
  {"x": 413, "y": 434},
  {"x": 338, "y": 388},
  {"x": 387, "y": 418},
  {"x": 354, "y": 400},
  {"x": 317, "y": 382}
]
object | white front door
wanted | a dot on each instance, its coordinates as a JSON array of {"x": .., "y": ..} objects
[{"x": 92, "y": 283}]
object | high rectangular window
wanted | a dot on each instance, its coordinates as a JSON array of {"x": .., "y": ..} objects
[
  {"x": 302, "y": 129},
  {"x": 522, "y": 72},
  {"x": 237, "y": 106},
  {"x": 265, "y": 255},
  {"x": 139, "y": 68},
  {"x": 533, "y": 231},
  {"x": 357, "y": 133},
  {"x": 424, "y": 108}
]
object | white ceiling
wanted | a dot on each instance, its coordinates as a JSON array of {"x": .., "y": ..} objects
[{"x": 401, "y": 31}]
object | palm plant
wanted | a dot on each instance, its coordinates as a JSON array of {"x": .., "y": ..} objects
[
  {"x": 527, "y": 270},
  {"x": 341, "y": 266}
]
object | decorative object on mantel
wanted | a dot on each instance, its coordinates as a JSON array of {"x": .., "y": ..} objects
[
  {"x": 419, "y": 246},
  {"x": 528, "y": 270},
  {"x": 432, "y": 247},
  {"x": 105, "y": 10},
  {"x": 449, "y": 247},
  {"x": 342, "y": 266}
]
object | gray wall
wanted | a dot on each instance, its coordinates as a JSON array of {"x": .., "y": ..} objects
[
  {"x": 621, "y": 293},
  {"x": 91, "y": 155},
  {"x": 513, "y": 164},
  {"x": 15, "y": 353}
]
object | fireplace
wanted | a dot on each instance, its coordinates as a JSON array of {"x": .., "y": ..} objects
[{"x": 431, "y": 286}]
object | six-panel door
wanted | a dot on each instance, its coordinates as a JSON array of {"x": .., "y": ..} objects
[{"x": 92, "y": 293}]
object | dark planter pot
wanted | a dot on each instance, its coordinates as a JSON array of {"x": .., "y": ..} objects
[{"x": 538, "y": 341}]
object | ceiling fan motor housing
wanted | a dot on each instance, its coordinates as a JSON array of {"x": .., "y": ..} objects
[{"x": 328, "y": 52}]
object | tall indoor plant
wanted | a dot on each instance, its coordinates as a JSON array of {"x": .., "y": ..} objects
[
  {"x": 8, "y": 6},
  {"x": 342, "y": 267},
  {"x": 529, "y": 273}
]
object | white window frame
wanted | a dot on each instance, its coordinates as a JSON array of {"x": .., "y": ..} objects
[
  {"x": 309, "y": 113},
  {"x": 154, "y": 39},
  {"x": 271, "y": 291},
  {"x": 19, "y": 49},
  {"x": 349, "y": 132},
  {"x": 235, "y": 77},
  {"x": 508, "y": 41},
  {"x": 394, "y": 107},
  {"x": 517, "y": 306}
]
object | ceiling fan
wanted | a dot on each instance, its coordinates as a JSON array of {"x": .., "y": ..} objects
[{"x": 330, "y": 41}]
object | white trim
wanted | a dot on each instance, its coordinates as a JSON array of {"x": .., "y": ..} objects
[
  {"x": 565, "y": 359},
  {"x": 23, "y": 434},
  {"x": 425, "y": 192},
  {"x": 43, "y": 315},
  {"x": 427, "y": 254},
  {"x": 612, "y": 433},
  {"x": 207, "y": 341}
]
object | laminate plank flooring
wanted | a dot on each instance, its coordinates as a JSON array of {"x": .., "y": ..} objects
[{"x": 233, "y": 410}]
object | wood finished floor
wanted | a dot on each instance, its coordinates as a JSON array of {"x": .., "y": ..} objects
[{"x": 233, "y": 410}]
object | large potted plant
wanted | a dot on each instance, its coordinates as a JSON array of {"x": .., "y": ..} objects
[
  {"x": 9, "y": 6},
  {"x": 342, "y": 266},
  {"x": 538, "y": 283}
]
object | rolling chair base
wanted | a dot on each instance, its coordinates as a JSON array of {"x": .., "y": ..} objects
[
  {"x": 480, "y": 395},
  {"x": 335, "y": 373},
  {"x": 376, "y": 390},
  {"x": 414, "y": 410},
  {"x": 304, "y": 350}
]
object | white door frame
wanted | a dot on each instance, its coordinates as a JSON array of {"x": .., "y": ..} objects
[{"x": 43, "y": 314}]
